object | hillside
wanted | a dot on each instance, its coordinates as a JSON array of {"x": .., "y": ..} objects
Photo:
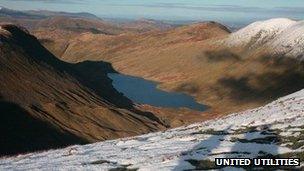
[
  {"x": 110, "y": 46},
  {"x": 144, "y": 25},
  {"x": 196, "y": 60},
  {"x": 55, "y": 32},
  {"x": 290, "y": 42},
  {"x": 280, "y": 37},
  {"x": 259, "y": 33},
  {"x": 55, "y": 29},
  {"x": 274, "y": 130},
  {"x": 47, "y": 103}
]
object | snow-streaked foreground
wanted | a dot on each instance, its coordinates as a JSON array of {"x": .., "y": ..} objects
[{"x": 246, "y": 134}]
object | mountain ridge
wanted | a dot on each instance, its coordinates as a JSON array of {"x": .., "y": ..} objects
[
  {"x": 71, "y": 99},
  {"x": 259, "y": 32},
  {"x": 40, "y": 14},
  {"x": 278, "y": 37}
]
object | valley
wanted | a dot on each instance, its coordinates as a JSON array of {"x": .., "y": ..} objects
[
  {"x": 159, "y": 96},
  {"x": 201, "y": 61}
]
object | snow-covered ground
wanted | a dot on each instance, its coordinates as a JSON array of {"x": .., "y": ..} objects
[
  {"x": 277, "y": 128},
  {"x": 259, "y": 32},
  {"x": 290, "y": 42},
  {"x": 281, "y": 36}
]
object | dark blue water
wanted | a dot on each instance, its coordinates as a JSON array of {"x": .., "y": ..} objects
[{"x": 145, "y": 92}]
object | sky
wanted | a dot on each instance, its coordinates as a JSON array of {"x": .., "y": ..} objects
[{"x": 216, "y": 10}]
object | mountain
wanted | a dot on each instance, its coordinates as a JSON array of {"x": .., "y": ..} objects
[
  {"x": 290, "y": 42},
  {"x": 78, "y": 25},
  {"x": 275, "y": 130},
  {"x": 259, "y": 32},
  {"x": 5, "y": 12},
  {"x": 196, "y": 59},
  {"x": 47, "y": 103},
  {"x": 55, "y": 29},
  {"x": 79, "y": 22},
  {"x": 47, "y": 14},
  {"x": 130, "y": 43},
  {"x": 55, "y": 32},
  {"x": 40, "y": 14},
  {"x": 280, "y": 37}
]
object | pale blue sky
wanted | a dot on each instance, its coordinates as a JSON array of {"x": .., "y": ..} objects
[{"x": 218, "y": 10}]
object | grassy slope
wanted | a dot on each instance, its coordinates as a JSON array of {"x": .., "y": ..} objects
[{"x": 186, "y": 59}]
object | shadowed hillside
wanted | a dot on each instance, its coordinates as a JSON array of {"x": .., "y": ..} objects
[
  {"x": 74, "y": 101},
  {"x": 20, "y": 132}
]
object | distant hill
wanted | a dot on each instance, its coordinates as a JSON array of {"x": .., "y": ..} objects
[
  {"x": 143, "y": 25},
  {"x": 35, "y": 19},
  {"x": 55, "y": 29},
  {"x": 40, "y": 14}
]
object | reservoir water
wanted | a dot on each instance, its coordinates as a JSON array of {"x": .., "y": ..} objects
[{"x": 143, "y": 91}]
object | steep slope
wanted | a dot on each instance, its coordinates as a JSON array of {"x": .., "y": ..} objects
[
  {"x": 278, "y": 37},
  {"x": 290, "y": 42},
  {"x": 259, "y": 33},
  {"x": 47, "y": 103},
  {"x": 274, "y": 130}
]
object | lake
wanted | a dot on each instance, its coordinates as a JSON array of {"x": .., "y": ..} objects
[{"x": 144, "y": 91}]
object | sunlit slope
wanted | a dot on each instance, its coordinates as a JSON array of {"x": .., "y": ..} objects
[{"x": 200, "y": 60}]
